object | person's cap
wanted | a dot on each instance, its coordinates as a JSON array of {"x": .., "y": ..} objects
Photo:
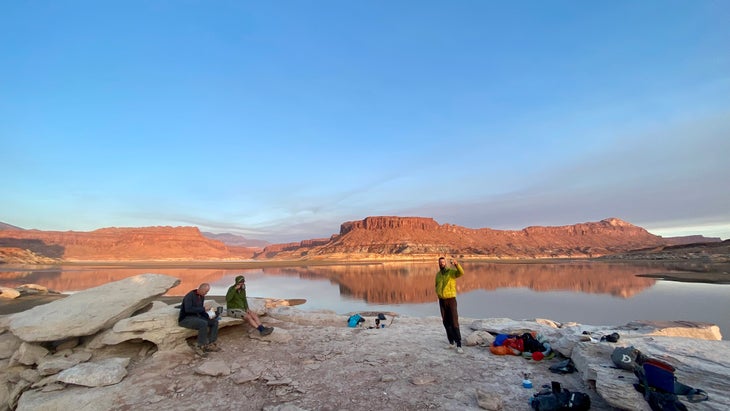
[{"x": 240, "y": 279}]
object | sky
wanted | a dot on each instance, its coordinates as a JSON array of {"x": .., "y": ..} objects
[{"x": 281, "y": 120}]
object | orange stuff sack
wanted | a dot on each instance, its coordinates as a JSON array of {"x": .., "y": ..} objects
[{"x": 503, "y": 350}]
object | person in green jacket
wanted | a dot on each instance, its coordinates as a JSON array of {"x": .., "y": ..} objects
[
  {"x": 446, "y": 292},
  {"x": 237, "y": 306}
]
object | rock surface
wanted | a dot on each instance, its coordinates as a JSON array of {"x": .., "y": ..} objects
[
  {"x": 313, "y": 361},
  {"x": 386, "y": 237},
  {"x": 10, "y": 293},
  {"x": 86, "y": 312},
  {"x": 19, "y": 246}
]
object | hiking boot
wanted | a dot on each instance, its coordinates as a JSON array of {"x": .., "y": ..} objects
[
  {"x": 212, "y": 347},
  {"x": 200, "y": 351},
  {"x": 266, "y": 331},
  {"x": 459, "y": 350}
]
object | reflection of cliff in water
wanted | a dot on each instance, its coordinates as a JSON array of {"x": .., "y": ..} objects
[
  {"x": 68, "y": 278},
  {"x": 395, "y": 283},
  {"x": 377, "y": 283}
]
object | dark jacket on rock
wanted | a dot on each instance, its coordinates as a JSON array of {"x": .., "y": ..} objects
[{"x": 192, "y": 305}]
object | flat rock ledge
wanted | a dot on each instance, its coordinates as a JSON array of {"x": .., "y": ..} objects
[{"x": 135, "y": 356}]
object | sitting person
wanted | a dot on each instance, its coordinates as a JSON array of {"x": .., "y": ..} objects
[
  {"x": 194, "y": 315},
  {"x": 237, "y": 306}
]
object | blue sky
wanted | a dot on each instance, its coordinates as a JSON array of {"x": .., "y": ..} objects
[{"x": 281, "y": 120}]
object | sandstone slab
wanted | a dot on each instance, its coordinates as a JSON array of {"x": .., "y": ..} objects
[
  {"x": 8, "y": 344},
  {"x": 89, "y": 311},
  {"x": 9, "y": 293},
  {"x": 96, "y": 374},
  {"x": 158, "y": 326}
]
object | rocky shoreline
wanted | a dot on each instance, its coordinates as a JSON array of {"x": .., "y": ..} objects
[{"x": 314, "y": 361}]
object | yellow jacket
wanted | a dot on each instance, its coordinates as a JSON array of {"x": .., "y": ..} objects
[{"x": 446, "y": 281}]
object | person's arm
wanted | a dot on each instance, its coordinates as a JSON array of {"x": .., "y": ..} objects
[
  {"x": 230, "y": 295},
  {"x": 459, "y": 269}
]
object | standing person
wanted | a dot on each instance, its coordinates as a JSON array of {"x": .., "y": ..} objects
[
  {"x": 194, "y": 314},
  {"x": 237, "y": 305},
  {"x": 446, "y": 292}
]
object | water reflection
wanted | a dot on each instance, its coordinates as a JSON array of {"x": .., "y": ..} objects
[
  {"x": 391, "y": 283},
  {"x": 382, "y": 283},
  {"x": 396, "y": 283}
]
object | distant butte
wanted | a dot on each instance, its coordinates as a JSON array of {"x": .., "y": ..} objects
[{"x": 372, "y": 238}]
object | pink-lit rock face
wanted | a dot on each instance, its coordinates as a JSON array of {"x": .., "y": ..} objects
[
  {"x": 121, "y": 244},
  {"x": 375, "y": 237},
  {"x": 370, "y": 238}
]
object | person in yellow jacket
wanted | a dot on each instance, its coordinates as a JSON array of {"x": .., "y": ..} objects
[{"x": 446, "y": 292}]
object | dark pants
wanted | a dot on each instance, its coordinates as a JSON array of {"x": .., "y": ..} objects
[
  {"x": 207, "y": 329},
  {"x": 450, "y": 317}
]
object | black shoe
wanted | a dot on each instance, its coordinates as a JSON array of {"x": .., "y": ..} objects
[
  {"x": 212, "y": 347},
  {"x": 266, "y": 331}
]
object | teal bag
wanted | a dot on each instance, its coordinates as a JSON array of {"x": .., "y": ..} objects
[{"x": 354, "y": 320}]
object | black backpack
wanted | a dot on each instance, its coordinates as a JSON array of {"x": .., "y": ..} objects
[
  {"x": 531, "y": 344},
  {"x": 557, "y": 399}
]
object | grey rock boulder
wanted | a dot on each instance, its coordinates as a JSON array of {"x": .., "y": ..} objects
[
  {"x": 56, "y": 363},
  {"x": 213, "y": 368},
  {"x": 8, "y": 345},
  {"x": 96, "y": 374},
  {"x": 89, "y": 311},
  {"x": 158, "y": 326},
  {"x": 28, "y": 354},
  {"x": 699, "y": 363}
]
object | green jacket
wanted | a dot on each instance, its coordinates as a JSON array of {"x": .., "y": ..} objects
[
  {"x": 236, "y": 299},
  {"x": 446, "y": 281}
]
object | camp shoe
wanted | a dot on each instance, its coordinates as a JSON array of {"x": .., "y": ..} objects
[
  {"x": 459, "y": 350},
  {"x": 266, "y": 331},
  {"x": 212, "y": 347},
  {"x": 200, "y": 351}
]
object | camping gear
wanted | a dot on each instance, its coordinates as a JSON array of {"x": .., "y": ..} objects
[
  {"x": 656, "y": 380},
  {"x": 563, "y": 367},
  {"x": 557, "y": 399},
  {"x": 627, "y": 358},
  {"x": 355, "y": 320}
]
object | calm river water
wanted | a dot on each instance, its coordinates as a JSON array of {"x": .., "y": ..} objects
[{"x": 584, "y": 292}]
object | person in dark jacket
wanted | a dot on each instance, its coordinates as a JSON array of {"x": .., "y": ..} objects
[
  {"x": 237, "y": 306},
  {"x": 197, "y": 315}
]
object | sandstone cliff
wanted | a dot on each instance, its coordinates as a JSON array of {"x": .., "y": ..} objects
[
  {"x": 378, "y": 237},
  {"x": 371, "y": 238},
  {"x": 122, "y": 244}
]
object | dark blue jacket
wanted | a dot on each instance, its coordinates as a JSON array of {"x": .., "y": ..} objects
[{"x": 192, "y": 305}]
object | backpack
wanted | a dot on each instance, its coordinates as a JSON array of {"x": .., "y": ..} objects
[
  {"x": 563, "y": 367},
  {"x": 355, "y": 320},
  {"x": 628, "y": 358},
  {"x": 657, "y": 374},
  {"x": 557, "y": 399},
  {"x": 531, "y": 343},
  {"x": 659, "y": 385}
]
